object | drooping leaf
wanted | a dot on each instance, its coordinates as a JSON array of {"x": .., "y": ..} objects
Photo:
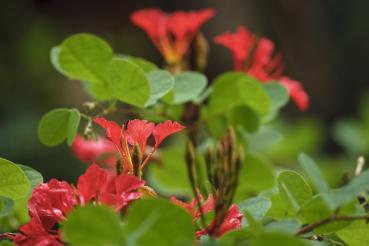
[
  {"x": 57, "y": 125},
  {"x": 129, "y": 83},
  {"x": 6, "y": 206},
  {"x": 158, "y": 221},
  {"x": 14, "y": 183},
  {"x": 161, "y": 83},
  {"x": 234, "y": 89},
  {"x": 92, "y": 225}
]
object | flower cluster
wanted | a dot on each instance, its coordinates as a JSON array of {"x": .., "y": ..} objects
[
  {"x": 255, "y": 56},
  {"x": 232, "y": 220},
  {"x": 171, "y": 33}
]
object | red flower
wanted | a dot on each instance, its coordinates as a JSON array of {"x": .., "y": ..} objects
[
  {"x": 171, "y": 34},
  {"x": 255, "y": 57},
  {"x": 232, "y": 220},
  {"x": 90, "y": 150},
  {"x": 100, "y": 185},
  {"x": 137, "y": 133}
]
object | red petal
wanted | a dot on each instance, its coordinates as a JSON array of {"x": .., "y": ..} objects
[
  {"x": 92, "y": 182},
  {"x": 112, "y": 130},
  {"x": 89, "y": 150},
  {"x": 165, "y": 129},
  {"x": 232, "y": 221},
  {"x": 296, "y": 92},
  {"x": 138, "y": 131},
  {"x": 152, "y": 21},
  {"x": 190, "y": 207},
  {"x": 126, "y": 183}
]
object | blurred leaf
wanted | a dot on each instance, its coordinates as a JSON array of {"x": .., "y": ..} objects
[
  {"x": 144, "y": 64},
  {"x": 6, "y": 206},
  {"x": 170, "y": 175},
  {"x": 236, "y": 237},
  {"x": 187, "y": 86},
  {"x": 14, "y": 183},
  {"x": 314, "y": 173},
  {"x": 263, "y": 139},
  {"x": 57, "y": 125},
  {"x": 33, "y": 176},
  {"x": 356, "y": 234},
  {"x": 256, "y": 206},
  {"x": 293, "y": 190},
  {"x": 158, "y": 221},
  {"x": 92, "y": 225},
  {"x": 279, "y": 98},
  {"x": 245, "y": 117},
  {"x": 288, "y": 226},
  {"x": 271, "y": 238},
  {"x": 129, "y": 83},
  {"x": 161, "y": 83},
  {"x": 233, "y": 89},
  {"x": 85, "y": 57},
  {"x": 54, "y": 57},
  {"x": 256, "y": 174},
  {"x": 254, "y": 226}
]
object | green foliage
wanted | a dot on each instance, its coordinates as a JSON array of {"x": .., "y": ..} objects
[
  {"x": 279, "y": 98},
  {"x": 271, "y": 238},
  {"x": 161, "y": 83},
  {"x": 105, "y": 228},
  {"x": 58, "y": 125},
  {"x": 257, "y": 206},
  {"x": 356, "y": 234},
  {"x": 6, "y": 206},
  {"x": 158, "y": 221},
  {"x": 14, "y": 183},
  {"x": 33, "y": 176}
]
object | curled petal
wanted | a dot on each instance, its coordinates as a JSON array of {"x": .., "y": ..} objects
[
  {"x": 138, "y": 131},
  {"x": 165, "y": 129},
  {"x": 92, "y": 183}
]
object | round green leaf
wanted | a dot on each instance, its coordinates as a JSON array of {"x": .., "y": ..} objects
[
  {"x": 161, "y": 83},
  {"x": 245, "y": 117},
  {"x": 33, "y": 176},
  {"x": 279, "y": 97},
  {"x": 158, "y": 221},
  {"x": 92, "y": 225},
  {"x": 57, "y": 125},
  {"x": 6, "y": 206},
  {"x": 129, "y": 82},
  {"x": 14, "y": 183}
]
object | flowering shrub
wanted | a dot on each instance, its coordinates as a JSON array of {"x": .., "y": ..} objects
[{"x": 184, "y": 171}]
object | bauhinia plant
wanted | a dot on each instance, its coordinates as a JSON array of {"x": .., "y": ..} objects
[{"x": 205, "y": 185}]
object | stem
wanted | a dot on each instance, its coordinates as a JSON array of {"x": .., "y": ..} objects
[
  {"x": 85, "y": 116},
  {"x": 330, "y": 219}
]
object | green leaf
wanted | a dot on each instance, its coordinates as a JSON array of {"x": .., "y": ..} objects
[
  {"x": 92, "y": 225},
  {"x": 294, "y": 190},
  {"x": 236, "y": 237},
  {"x": 161, "y": 83},
  {"x": 271, "y": 238},
  {"x": 256, "y": 206},
  {"x": 58, "y": 124},
  {"x": 129, "y": 82},
  {"x": 256, "y": 174},
  {"x": 14, "y": 183},
  {"x": 145, "y": 65},
  {"x": 254, "y": 226},
  {"x": 158, "y": 221},
  {"x": 314, "y": 173},
  {"x": 6, "y": 206},
  {"x": 279, "y": 98},
  {"x": 187, "y": 87},
  {"x": 54, "y": 57},
  {"x": 244, "y": 117},
  {"x": 234, "y": 89},
  {"x": 85, "y": 57},
  {"x": 170, "y": 175},
  {"x": 356, "y": 234},
  {"x": 288, "y": 226},
  {"x": 33, "y": 176}
]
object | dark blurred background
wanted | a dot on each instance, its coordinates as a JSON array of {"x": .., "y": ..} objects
[{"x": 325, "y": 45}]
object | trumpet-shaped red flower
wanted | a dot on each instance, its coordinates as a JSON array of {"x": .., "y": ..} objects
[
  {"x": 171, "y": 33},
  {"x": 137, "y": 133},
  {"x": 232, "y": 220},
  {"x": 89, "y": 150},
  {"x": 102, "y": 186},
  {"x": 255, "y": 57}
]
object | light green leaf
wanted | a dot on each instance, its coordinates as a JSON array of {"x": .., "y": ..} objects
[
  {"x": 294, "y": 190},
  {"x": 92, "y": 225},
  {"x": 54, "y": 57},
  {"x": 356, "y": 234},
  {"x": 145, "y": 65},
  {"x": 187, "y": 86},
  {"x": 161, "y": 83},
  {"x": 253, "y": 225},
  {"x": 288, "y": 226},
  {"x": 85, "y": 57},
  {"x": 14, "y": 183},
  {"x": 256, "y": 206},
  {"x": 271, "y": 238},
  {"x": 279, "y": 98},
  {"x": 58, "y": 124},
  {"x": 33, "y": 176},
  {"x": 234, "y": 89},
  {"x": 6, "y": 206},
  {"x": 129, "y": 82},
  {"x": 159, "y": 221},
  {"x": 245, "y": 117}
]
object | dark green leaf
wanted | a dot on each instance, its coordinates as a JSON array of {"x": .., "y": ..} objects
[
  {"x": 14, "y": 183},
  {"x": 245, "y": 117},
  {"x": 129, "y": 83},
  {"x": 158, "y": 221},
  {"x": 92, "y": 225}
]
